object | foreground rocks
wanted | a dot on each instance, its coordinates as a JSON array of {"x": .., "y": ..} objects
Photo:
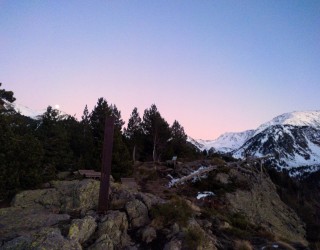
[
  {"x": 263, "y": 207},
  {"x": 64, "y": 216}
]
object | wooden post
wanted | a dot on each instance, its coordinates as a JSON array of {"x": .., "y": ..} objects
[{"x": 106, "y": 165}]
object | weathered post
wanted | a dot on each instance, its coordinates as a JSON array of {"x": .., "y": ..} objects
[{"x": 106, "y": 165}]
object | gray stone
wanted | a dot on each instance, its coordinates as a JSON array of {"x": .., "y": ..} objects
[
  {"x": 51, "y": 238},
  {"x": 46, "y": 198},
  {"x": 78, "y": 195},
  {"x": 174, "y": 244},
  {"x": 148, "y": 234},
  {"x": 81, "y": 229},
  {"x": 103, "y": 243},
  {"x": 137, "y": 213},
  {"x": 113, "y": 227},
  {"x": 22, "y": 242},
  {"x": 149, "y": 199},
  {"x": 16, "y": 221}
]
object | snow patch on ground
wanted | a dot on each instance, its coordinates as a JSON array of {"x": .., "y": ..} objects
[{"x": 204, "y": 194}]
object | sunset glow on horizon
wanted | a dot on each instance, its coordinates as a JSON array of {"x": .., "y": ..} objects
[{"x": 214, "y": 66}]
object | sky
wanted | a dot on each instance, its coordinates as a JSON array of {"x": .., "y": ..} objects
[{"x": 214, "y": 66}]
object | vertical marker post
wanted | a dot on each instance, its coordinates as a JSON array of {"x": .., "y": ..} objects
[{"x": 106, "y": 165}]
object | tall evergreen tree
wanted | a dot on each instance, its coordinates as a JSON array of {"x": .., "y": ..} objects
[
  {"x": 133, "y": 132},
  {"x": 120, "y": 154},
  {"x": 156, "y": 130},
  {"x": 86, "y": 144},
  {"x": 56, "y": 141},
  {"x": 178, "y": 139}
]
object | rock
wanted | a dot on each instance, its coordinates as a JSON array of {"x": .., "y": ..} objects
[
  {"x": 148, "y": 234},
  {"x": 149, "y": 199},
  {"x": 103, "y": 243},
  {"x": 174, "y": 244},
  {"x": 78, "y": 195},
  {"x": 113, "y": 227},
  {"x": 22, "y": 242},
  {"x": 16, "y": 221},
  {"x": 119, "y": 196},
  {"x": 46, "y": 198},
  {"x": 137, "y": 213},
  {"x": 262, "y": 206},
  {"x": 81, "y": 229},
  {"x": 51, "y": 238}
]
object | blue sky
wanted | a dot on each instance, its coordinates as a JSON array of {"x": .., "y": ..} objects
[{"x": 215, "y": 66}]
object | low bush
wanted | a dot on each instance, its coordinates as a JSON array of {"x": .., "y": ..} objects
[
  {"x": 175, "y": 211},
  {"x": 193, "y": 238}
]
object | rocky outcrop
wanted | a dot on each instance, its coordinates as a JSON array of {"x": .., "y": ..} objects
[
  {"x": 63, "y": 197},
  {"x": 138, "y": 213},
  {"x": 16, "y": 221},
  {"x": 263, "y": 207},
  {"x": 113, "y": 228},
  {"x": 82, "y": 229},
  {"x": 41, "y": 219},
  {"x": 46, "y": 238},
  {"x": 78, "y": 195}
]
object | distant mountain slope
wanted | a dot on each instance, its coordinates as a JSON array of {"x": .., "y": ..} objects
[
  {"x": 24, "y": 110},
  {"x": 296, "y": 118},
  {"x": 292, "y": 138},
  {"x": 225, "y": 143}
]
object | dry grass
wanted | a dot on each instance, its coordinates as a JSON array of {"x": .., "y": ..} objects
[{"x": 243, "y": 245}]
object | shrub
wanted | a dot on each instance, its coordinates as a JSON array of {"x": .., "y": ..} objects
[
  {"x": 243, "y": 245},
  {"x": 177, "y": 210},
  {"x": 193, "y": 238}
]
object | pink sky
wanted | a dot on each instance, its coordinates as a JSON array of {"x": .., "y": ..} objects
[{"x": 214, "y": 66}]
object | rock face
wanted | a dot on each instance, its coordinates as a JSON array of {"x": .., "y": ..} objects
[
  {"x": 39, "y": 219},
  {"x": 263, "y": 207},
  {"x": 65, "y": 196},
  {"x": 113, "y": 228},
  {"x": 46, "y": 238},
  {"x": 81, "y": 229},
  {"x": 137, "y": 213},
  {"x": 16, "y": 221}
]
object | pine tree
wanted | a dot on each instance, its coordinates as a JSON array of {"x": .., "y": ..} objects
[
  {"x": 178, "y": 139},
  {"x": 156, "y": 130},
  {"x": 133, "y": 132},
  {"x": 56, "y": 140},
  {"x": 120, "y": 154}
]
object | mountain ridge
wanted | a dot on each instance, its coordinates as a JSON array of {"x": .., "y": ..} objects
[{"x": 292, "y": 138}]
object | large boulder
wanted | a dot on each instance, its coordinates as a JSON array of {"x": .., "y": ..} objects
[
  {"x": 51, "y": 238},
  {"x": 65, "y": 196},
  {"x": 114, "y": 226},
  {"x": 16, "y": 221},
  {"x": 21, "y": 242},
  {"x": 103, "y": 243},
  {"x": 137, "y": 213},
  {"x": 262, "y": 206},
  {"x": 148, "y": 234},
  {"x": 119, "y": 196},
  {"x": 40, "y": 198},
  {"x": 82, "y": 229},
  {"x": 78, "y": 195}
]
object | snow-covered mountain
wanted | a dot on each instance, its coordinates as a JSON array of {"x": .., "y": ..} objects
[
  {"x": 23, "y": 110},
  {"x": 292, "y": 138},
  {"x": 26, "y": 111},
  {"x": 225, "y": 143}
]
